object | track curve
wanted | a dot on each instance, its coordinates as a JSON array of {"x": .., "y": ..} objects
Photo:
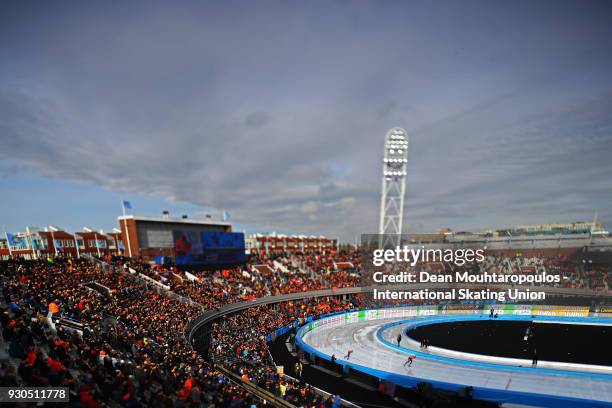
[
  {"x": 379, "y": 358},
  {"x": 495, "y": 362}
]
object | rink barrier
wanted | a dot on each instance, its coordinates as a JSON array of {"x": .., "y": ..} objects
[
  {"x": 211, "y": 315},
  {"x": 479, "y": 393},
  {"x": 198, "y": 330}
]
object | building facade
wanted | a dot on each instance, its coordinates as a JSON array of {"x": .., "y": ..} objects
[
  {"x": 150, "y": 237},
  {"x": 54, "y": 241}
]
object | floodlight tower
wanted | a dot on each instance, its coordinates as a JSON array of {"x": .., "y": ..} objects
[{"x": 395, "y": 164}]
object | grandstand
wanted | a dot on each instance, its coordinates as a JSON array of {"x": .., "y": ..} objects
[
  {"x": 111, "y": 328},
  {"x": 213, "y": 327}
]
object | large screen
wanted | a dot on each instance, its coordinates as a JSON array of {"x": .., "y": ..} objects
[{"x": 208, "y": 248}]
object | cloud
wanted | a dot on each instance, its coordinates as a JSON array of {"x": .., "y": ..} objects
[
  {"x": 278, "y": 114},
  {"x": 256, "y": 120}
]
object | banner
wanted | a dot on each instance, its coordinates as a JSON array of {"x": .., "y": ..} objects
[
  {"x": 16, "y": 242},
  {"x": 153, "y": 281},
  {"x": 101, "y": 243}
]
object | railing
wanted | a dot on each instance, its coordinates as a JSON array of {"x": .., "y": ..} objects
[
  {"x": 98, "y": 262},
  {"x": 254, "y": 389},
  {"x": 148, "y": 282},
  {"x": 212, "y": 315},
  {"x": 317, "y": 390},
  {"x": 261, "y": 393},
  {"x": 201, "y": 322}
]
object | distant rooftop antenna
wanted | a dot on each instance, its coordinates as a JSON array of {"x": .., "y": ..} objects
[{"x": 395, "y": 164}]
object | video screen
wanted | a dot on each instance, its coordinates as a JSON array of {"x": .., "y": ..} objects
[{"x": 208, "y": 248}]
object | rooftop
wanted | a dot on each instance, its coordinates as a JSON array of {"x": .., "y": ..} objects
[{"x": 173, "y": 220}]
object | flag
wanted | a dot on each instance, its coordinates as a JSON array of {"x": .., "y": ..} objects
[
  {"x": 127, "y": 205},
  {"x": 120, "y": 244},
  {"x": 226, "y": 215},
  {"x": 101, "y": 243},
  {"x": 16, "y": 242}
]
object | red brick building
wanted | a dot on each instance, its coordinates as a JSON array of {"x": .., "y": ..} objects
[
  {"x": 148, "y": 237},
  {"x": 116, "y": 242},
  {"x": 95, "y": 243},
  {"x": 154, "y": 236},
  {"x": 58, "y": 242},
  {"x": 6, "y": 252}
]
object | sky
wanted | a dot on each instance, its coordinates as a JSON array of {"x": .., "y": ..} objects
[{"x": 276, "y": 111}]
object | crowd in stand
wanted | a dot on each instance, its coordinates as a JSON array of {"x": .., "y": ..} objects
[
  {"x": 129, "y": 349},
  {"x": 131, "y": 352},
  {"x": 252, "y": 358},
  {"x": 556, "y": 265},
  {"x": 240, "y": 326},
  {"x": 263, "y": 276}
]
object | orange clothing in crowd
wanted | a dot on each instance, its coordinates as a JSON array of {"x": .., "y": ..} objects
[
  {"x": 189, "y": 384},
  {"x": 87, "y": 399},
  {"x": 53, "y": 307},
  {"x": 55, "y": 365},
  {"x": 183, "y": 394},
  {"x": 31, "y": 359}
]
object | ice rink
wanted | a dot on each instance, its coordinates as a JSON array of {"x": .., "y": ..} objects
[{"x": 368, "y": 351}]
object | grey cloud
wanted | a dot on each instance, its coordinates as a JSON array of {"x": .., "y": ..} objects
[
  {"x": 256, "y": 120},
  {"x": 384, "y": 110},
  {"x": 278, "y": 114}
]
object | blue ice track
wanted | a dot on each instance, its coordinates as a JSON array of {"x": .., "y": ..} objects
[{"x": 375, "y": 355}]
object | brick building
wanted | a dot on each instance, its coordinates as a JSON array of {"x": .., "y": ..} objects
[
  {"x": 150, "y": 237},
  {"x": 54, "y": 241}
]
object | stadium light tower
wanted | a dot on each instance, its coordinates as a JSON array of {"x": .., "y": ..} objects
[{"x": 395, "y": 164}]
